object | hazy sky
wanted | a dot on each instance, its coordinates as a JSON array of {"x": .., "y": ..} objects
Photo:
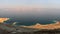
[{"x": 29, "y": 3}]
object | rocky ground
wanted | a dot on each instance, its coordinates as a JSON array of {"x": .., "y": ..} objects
[
  {"x": 57, "y": 31},
  {"x": 9, "y": 29}
]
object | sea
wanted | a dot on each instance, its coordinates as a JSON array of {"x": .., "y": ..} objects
[{"x": 32, "y": 20}]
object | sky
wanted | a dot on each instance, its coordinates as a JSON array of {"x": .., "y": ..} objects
[
  {"x": 29, "y": 4},
  {"x": 25, "y": 3},
  {"x": 16, "y": 6},
  {"x": 54, "y": 4}
]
